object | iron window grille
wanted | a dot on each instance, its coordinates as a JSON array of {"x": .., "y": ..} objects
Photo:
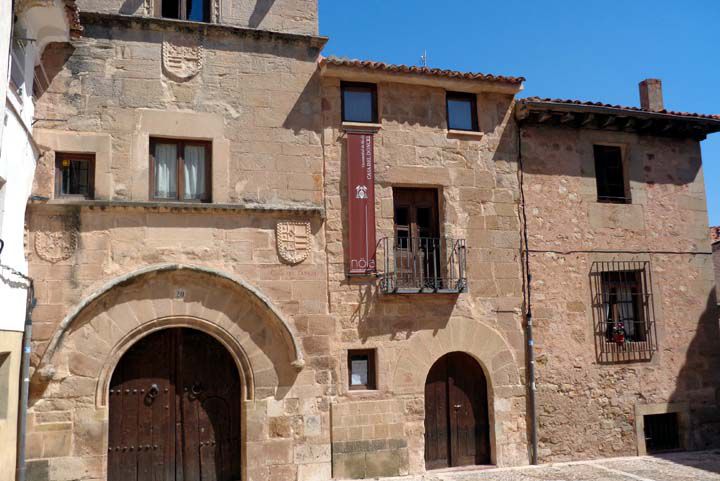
[{"x": 623, "y": 312}]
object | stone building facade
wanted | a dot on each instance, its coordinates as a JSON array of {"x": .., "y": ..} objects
[
  {"x": 199, "y": 306},
  {"x": 715, "y": 242}
]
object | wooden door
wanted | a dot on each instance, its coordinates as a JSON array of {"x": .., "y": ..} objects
[
  {"x": 456, "y": 417},
  {"x": 175, "y": 411},
  {"x": 416, "y": 236}
]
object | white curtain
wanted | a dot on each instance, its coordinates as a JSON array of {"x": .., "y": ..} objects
[
  {"x": 619, "y": 308},
  {"x": 194, "y": 172},
  {"x": 166, "y": 171}
]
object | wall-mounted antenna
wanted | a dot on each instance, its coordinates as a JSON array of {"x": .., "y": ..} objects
[{"x": 424, "y": 59}]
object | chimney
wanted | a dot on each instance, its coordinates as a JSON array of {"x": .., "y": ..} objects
[{"x": 651, "y": 95}]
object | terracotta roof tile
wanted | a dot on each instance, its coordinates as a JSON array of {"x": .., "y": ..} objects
[
  {"x": 435, "y": 72},
  {"x": 715, "y": 234},
  {"x": 623, "y": 107}
]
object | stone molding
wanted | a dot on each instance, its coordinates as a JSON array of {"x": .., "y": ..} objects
[
  {"x": 46, "y": 369},
  {"x": 115, "y": 20}
]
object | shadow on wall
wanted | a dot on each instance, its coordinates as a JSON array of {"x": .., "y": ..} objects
[
  {"x": 698, "y": 384},
  {"x": 130, "y": 7},
  {"x": 262, "y": 7}
]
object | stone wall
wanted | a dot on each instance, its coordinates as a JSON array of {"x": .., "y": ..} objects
[
  {"x": 587, "y": 408},
  {"x": 716, "y": 264},
  {"x": 476, "y": 176},
  {"x": 254, "y": 97},
  {"x": 290, "y": 16}
]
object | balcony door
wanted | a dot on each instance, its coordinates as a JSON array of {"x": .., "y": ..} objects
[{"x": 417, "y": 244}]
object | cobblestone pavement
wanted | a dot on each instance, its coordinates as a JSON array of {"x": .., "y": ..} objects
[{"x": 694, "y": 466}]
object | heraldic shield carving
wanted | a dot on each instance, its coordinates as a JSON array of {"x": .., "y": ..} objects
[
  {"x": 293, "y": 241},
  {"x": 56, "y": 237},
  {"x": 182, "y": 58}
]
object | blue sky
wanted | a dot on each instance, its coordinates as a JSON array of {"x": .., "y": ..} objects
[{"x": 581, "y": 49}]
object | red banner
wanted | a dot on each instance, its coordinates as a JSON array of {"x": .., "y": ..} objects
[{"x": 361, "y": 202}]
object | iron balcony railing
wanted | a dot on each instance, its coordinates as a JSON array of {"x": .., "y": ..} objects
[{"x": 422, "y": 265}]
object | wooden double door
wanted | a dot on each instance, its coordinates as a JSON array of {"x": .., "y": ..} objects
[
  {"x": 175, "y": 410},
  {"x": 456, "y": 413}
]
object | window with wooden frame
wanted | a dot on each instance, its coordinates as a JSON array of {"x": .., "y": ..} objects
[
  {"x": 462, "y": 111},
  {"x": 623, "y": 311},
  {"x": 180, "y": 170},
  {"x": 74, "y": 175},
  {"x": 361, "y": 369},
  {"x": 193, "y": 10},
  {"x": 610, "y": 175},
  {"x": 359, "y": 102}
]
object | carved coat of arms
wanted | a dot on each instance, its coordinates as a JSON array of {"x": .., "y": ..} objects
[
  {"x": 293, "y": 241},
  {"x": 56, "y": 238},
  {"x": 182, "y": 58}
]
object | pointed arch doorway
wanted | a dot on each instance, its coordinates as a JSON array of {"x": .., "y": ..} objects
[
  {"x": 174, "y": 409},
  {"x": 457, "y": 430}
]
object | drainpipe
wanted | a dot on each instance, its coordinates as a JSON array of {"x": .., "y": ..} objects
[
  {"x": 530, "y": 348},
  {"x": 21, "y": 469}
]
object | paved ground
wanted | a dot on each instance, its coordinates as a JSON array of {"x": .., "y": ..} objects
[{"x": 695, "y": 466}]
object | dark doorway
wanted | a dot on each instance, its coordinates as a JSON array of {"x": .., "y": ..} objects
[
  {"x": 457, "y": 430},
  {"x": 417, "y": 245},
  {"x": 175, "y": 410}
]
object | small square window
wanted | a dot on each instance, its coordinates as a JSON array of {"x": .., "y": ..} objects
[
  {"x": 359, "y": 102},
  {"x": 74, "y": 175},
  {"x": 361, "y": 369},
  {"x": 610, "y": 175},
  {"x": 462, "y": 111},
  {"x": 180, "y": 170},
  {"x": 662, "y": 432}
]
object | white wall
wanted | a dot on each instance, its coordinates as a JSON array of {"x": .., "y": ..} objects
[
  {"x": 18, "y": 155},
  {"x": 5, "y": 27}
]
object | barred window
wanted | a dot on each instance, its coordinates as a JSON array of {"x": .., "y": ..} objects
[{"x": 623, "y": 311}]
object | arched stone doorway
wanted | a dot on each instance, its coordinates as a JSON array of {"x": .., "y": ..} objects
[
  {"x": 174, "y": 410},
  {"x": 457, "y": 429}
]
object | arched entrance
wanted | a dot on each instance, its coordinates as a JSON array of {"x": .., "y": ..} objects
[
  {"x": 457, "y": 431},
  {"x": 174, "y": 405}
]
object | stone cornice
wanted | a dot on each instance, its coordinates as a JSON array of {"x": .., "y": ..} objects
[
  {"x": 138, "y": 22},
  {"x": 188, "y": 207}
]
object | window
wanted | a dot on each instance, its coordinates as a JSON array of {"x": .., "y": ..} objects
[
  {"x": 662, "y": 432},
  {"x": 623, "y": 309},
  {"x": 361, "y": 369},
  {"x": 610, "y": 175},
  {"x": 195, "y": 10},
  {"x": 17, "y": 67},
  {"x": 180, "y": 170},
  {"x": 462, "y": 111},
  {"x": 74, "y": 175},
  {"x": 359, "y": 102}
]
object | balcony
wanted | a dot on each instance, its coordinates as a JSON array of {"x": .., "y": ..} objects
[{"x": 422, "y": 265}]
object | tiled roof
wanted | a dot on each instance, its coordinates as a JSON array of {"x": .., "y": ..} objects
[
  {"x": 622, "y": 107},
  {"x": 714, "y": 234},
  {"x": 407, "y": 69}
]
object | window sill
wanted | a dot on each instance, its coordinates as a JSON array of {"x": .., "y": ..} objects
[
  {"x": 177, "y": 206},
  {"x": 465, "y": 133},
  {"x": 361, "y": 127}
]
